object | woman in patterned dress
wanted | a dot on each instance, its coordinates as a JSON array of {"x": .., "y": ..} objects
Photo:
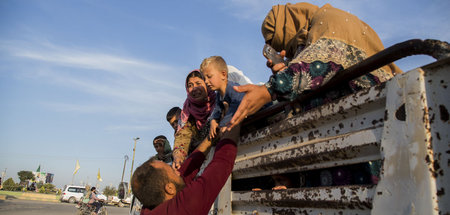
[
  {"x": 318, "y": 43},
  {"x": 193, "y": 126}
]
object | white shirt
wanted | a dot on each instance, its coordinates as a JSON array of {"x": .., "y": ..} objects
[{"x": 237, "y": 76}]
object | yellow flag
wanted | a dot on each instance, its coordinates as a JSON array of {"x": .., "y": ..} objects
[
  {"x": 77, "y": 167},
  {"x": 98, "y": 175}
]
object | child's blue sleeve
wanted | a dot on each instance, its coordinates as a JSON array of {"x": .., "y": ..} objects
[{"x": 217, "y": 112}]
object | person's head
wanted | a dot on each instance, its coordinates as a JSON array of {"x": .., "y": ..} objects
[
  {"x": 172, "y": 117},
  {"x": 215, "y": 71},
  {"x": 154, "y": 182},
  {"x": 93, "y": 189},
  {"x": 196, "y": 87},
  {"x": 161, "y": 144},
  {"x": 286, "y": 26}
]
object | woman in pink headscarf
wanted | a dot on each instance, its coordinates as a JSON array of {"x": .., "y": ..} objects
[{"x": 193, "y": 126}]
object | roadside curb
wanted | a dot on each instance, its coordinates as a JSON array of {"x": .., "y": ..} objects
[{"x": 31, "y": 196}]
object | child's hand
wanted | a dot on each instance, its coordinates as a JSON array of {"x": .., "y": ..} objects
[
  {"x": 233, "y": 134},
  {"x": 213, "y": 129},
  {"x": 222, "y": 130}
]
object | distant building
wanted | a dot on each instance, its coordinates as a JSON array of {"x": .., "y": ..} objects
[
  {"x": 43, "y": 177},
  {"x": 49, "y": 178}
]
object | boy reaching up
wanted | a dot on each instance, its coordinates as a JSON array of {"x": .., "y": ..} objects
[{"x": 215, "y": 71}]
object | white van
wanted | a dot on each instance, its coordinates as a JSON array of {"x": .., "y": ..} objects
[{"x": 72, "y": 193}]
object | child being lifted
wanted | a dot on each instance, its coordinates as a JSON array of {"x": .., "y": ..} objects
[{"x": 215, "y": 71}]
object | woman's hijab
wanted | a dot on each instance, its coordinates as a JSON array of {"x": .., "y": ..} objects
[
  {"x": 199, "y": 110},
  {"x": 286, "y": 26},
  {"x": 167, "y": 154},
  {"x": 325, "y": 34},
  {"x": 167, "y": 148}
]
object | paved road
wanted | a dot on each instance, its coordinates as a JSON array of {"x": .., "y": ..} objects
[{"x": 26, "y": 207}]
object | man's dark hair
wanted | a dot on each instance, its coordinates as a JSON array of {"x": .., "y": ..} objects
[
  {"x": 148, "y": 184},
  {"x": 172, "y": 112}
]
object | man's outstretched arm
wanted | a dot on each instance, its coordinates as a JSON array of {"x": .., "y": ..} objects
[
  {"x": 205, "y": 189},
  {"x": 192, "y": 164}
]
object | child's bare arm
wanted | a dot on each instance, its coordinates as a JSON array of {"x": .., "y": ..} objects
[
  {"x": 213, "y": 129},
  {"x": 204, "y": 146}
]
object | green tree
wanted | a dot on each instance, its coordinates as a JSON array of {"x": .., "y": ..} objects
[
  {"x": 42, "y": 189},
  {"x": 109, "y": 191},
  {"x": 25, "y": 175},
  {"x": 49, "y": 186},
  {"x": 39, "y": 185},
  {"x": 10, "y": 185}
]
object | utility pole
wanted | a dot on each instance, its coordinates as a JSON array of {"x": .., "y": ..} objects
[
  {"x": 124, "y": 164},
  {"x": 132, "y": 163}
]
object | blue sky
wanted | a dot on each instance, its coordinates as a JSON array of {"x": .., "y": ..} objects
[{"x": 80, "y": 79}]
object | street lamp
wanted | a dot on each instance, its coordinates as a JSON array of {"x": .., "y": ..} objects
[
  {"x": 132, "y": 163},
  {"x": 124, "y": 164}
]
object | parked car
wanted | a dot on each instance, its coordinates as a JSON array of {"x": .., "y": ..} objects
[
  {"x": 114, "y": 200},
  {"x": 102, "y": 197},
  {"x": 72, "y": 193}
]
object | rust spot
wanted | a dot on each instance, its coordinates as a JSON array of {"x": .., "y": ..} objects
[
  {"x": 432, "y": 118},
  {"x": 438, "y": 135},
  {"x": 385, "y": 115},
  {"x": 444, "y": 113},
  {"x": 440, "y": 192},
  {"x": 311, "y": 136},
  {"x": 379, "y": 193},
  {"x": 436, "y": 165},
  {"x": 341, "y": 125},
  {"x": 400, "y": 114}
]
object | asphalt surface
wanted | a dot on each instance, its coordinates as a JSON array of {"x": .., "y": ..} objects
[{"x": 27, "y": 207}]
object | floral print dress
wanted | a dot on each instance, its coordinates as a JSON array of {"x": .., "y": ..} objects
[{"x": 313, "y": 67}]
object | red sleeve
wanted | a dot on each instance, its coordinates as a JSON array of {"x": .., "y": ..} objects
[
  {"x": 191, "y": 166},
  {"x": 198, "y": 196}
]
